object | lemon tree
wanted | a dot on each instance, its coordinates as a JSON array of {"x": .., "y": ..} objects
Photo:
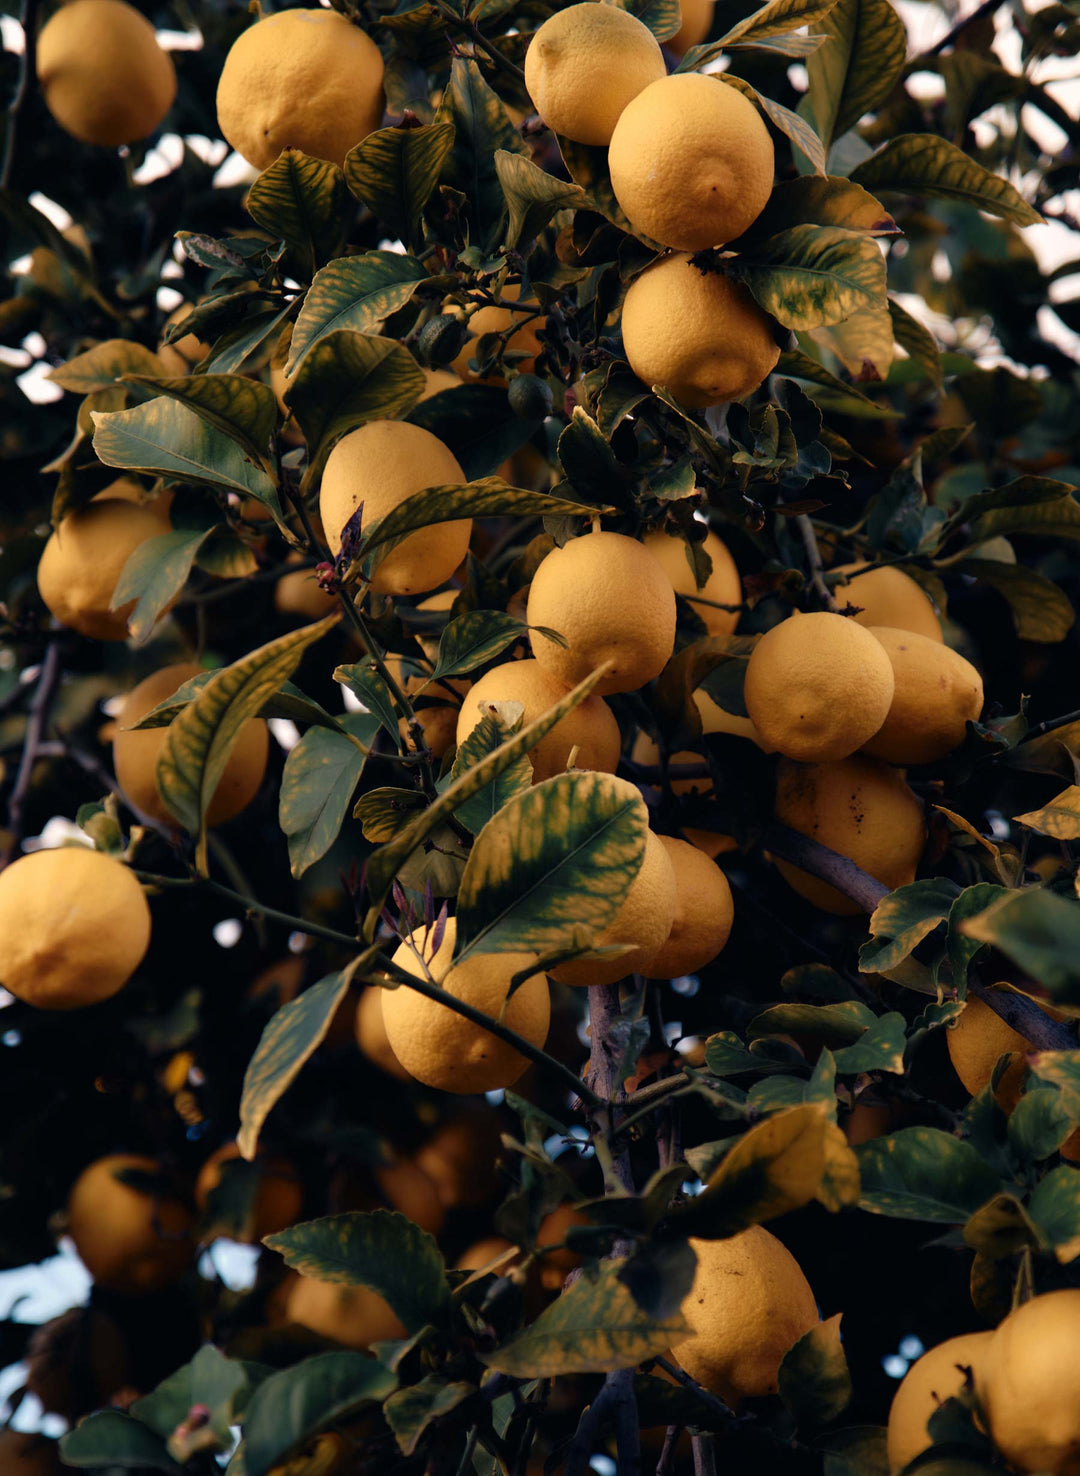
[{"x": 539, "y": 911}]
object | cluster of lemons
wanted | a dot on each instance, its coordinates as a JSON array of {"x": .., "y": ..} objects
[{"x": 1025, "y": 1379}]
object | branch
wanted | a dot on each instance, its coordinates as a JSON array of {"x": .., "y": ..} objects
[
  {"x": 251, "y": 904},
  {"x": 1025, "y": 1017},
  {"x": 48, "y": 681},
  {"x": 27, "y": 77},
  {"x": 813, "y": 558},
  {"x": 951, "y": 37},
  {"x": 477, "y": 38},
  {"x": 615, "y": 1404}
]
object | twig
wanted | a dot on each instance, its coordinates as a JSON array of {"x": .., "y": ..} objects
[
  {"x": 38, "y": 716},
  {"x": 251, "y": 904},
  {"x": 1051, "y": 724},
  {"x": 1025, "y": 1016},
  {"x": 666, "y": 1464},
  {"x": 605, "y": 1012},
  {"x": 27, "y": 76},
  {"x": 951, "y": 37},
  {"x": 477, "y": 38},
  {"x": 615, "y": 1404},
  {"x": 813, "y": 558},
  {"x": 717, "y": 1405},
  {"x": 704, "y": 1448}
]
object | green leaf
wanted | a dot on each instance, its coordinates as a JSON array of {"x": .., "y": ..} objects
[
  {"x": 483, "y": 127},
  {"x": 291, "y": 1406},
  {"x": 587, "y": 166},
  {"x": 167, "y": 438},
  {"x": 1039, "y": 1123},
  {"x": 490, "y": 732},
  {"x": 470, "y": 640},
  {"x": 153, "y": 576},
  {"x": 663, "y": 17},
  {"x": 798, "y": 130},
  {"x": 813, "y": 275},
  {"x": 113, "y": 1440},
  {"x": 384, "y": 863},
  {"x": 395, "y": 170},
  {"x": 880, "y": 1049},
  {"x": 254, "y": 334},
  {"x": 1038, "y": 930},
  {"x": 1040, "y": 610},
  {"x": 903, "y": 919},
  {"x": 1060, "y": 819},
  {"x": 369, "y": 688},
  {"x": 1001, "y": 1227},
  {"x": 221, "y": 1384},
  {"x": 776, "y": 19},
  {"x": 357, "y": 292},
  {"x": 854, "y": 71},
  {"x": 291, "y": 1037},
  {"x": 475, "y": 422},
  {"x": 827, "y": 200},
  {"x": 533, "y": 196},
  {"x": 317, "y": 784},
  {"x": 488, "y": 497},
  {"x": 1062, "y": 1068},
  {"x": 775, "y": 1167},
  {"x": 100, "y": 367},
  {"x": 383, "y": 811},
  {"x": 846, "y": 1021},
  {"x": 1055, "y": 1208},
  {"x": 593, "y": 1327},
  {"x": 243, "y": 409},
  {"x": 798, "y": 365},
  {"x": 202, "y": 737},
  {"x": 382, "y": 1250},
  {"x": 410, "y": 1412},
  {"x": 1037, "y": 505},
  {"x": 815, "y": 1383},
  {"x": 916, "y": 341},
  {"x": 561, "y": 856},
  {"x": 922, "y": 1173},
  {"x": 225, "y": 556},
  {"x": 344, "y": 380},
  {"x": 301, "y": 200},
  {"x": 924, "y": 164}
]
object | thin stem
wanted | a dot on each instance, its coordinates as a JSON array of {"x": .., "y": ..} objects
[
  {"x": 704, "y": 1448},
  {"x": 605, "y": 1012},
  {"x": 718, "y": 1405},
  {"x": 951, "y": 37},
  {"x": 251, "y": 904},
  {"x": 477, "y": 37},
  {"x": 48, "y": 681},
  {"x": 666, "y": 1464},
  {"x": 27, "y": 76},
  {"x": 1052, "y": 724},
  {"x": 813, "y": 558}
]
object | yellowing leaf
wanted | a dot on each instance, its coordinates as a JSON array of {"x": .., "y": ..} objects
[
  {"x": 814, "y": 1380},
  {"x": 924, "y": 164},
  {"x": 809, "y": 275},
  {"x": 863, "y": 343},
  {"x": 1059, "y": 819},
  {"x": 840, "y": 1184}
]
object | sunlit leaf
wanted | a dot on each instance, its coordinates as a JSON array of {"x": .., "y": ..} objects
[
  {"x": 812, "y": 275},
  {"x": 300, "y": 199},
  {"x": 854, "y": 71},
  {"x": 100, "y": 367},
  {"x": 357, "y": 292},
  {"x": 925, "y": 164},
  {"x": 395, "y": 170}
]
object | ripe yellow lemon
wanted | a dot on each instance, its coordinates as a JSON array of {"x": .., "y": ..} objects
[
  {"x": 83, "y": 560},
  {"x": 714, "y": 719},
  {"x": 938, "y": 1375},
  {"x": 704, "y": 912},
  {"x": 381, "y": 464},
  {"x": 129, "y": 1241},
  {"x": 301, "y": 79},
  {"x": 371, "y": 1034},
  {"x": 591, "y": 727},
  {"x": 723, "y": 586},
  {"x": 298, "y": 593},
  {"x": 353, "y": 1315},
  {"x": 700, "y": 334},
  {"x": 818, "y": 686},
  {"x": 74, "y": 927},
  {"x": 697, "y": 18},
  {"x": 888, "y": 596},
  {"x": 585, "y": 64},
  {"x": 609, "y": 598},
  {"x": 459, "y": 1158},
  {"x": 136, "y": 753},
  {"x": 438, "y": 710},
  {"x": 936, "y": 692},
  {"x": 127, "y": 489},
  {"x": 523, "y": 340},
  {"x": 1029, "y": 1385},
  {"x": 278, "y": 1197},
  {"x": 443, "y": 1049},
  {"x": 859, "y": 807},
  {"x": 645, "y": 919},
  {"x": 749, "y": 1303},
  {"x": 103, "y": 75},
  {"x": 691, "y": 162},
  {"x": 975, "y": 1041}
]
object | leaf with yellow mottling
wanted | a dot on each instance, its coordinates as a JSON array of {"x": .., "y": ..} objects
[
  {"x": 815, "y": 1383},
  {"x": 1060, "y": 819},
  {"x": 840, "y": 1182},
  {"x": 1055, "y": 1209}
]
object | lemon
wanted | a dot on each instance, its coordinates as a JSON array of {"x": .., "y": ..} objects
[
  {"x": 591, "y": 728},
  {"x": 585, "y": 64},
  {"x": 691, "y": 162},
  {"x": 888, "y": 596},
  {"x": 353, "y": 1315},
  {"x": 407, "y": 1189},
  {"x": 644, "y": 920},
  {"x": 610, "y": 600},
  {"x": 818, "y": 686},
  {"x": 704, "y": 912},
  {"x": 83, "y": 560},
  {"x": 443, "y": 1049},
  {"x": 715, "y": 719},
  {"x": 381, "y": 464},
  {"x": 301, "y": 79},
  {"x": 371, "y": 1034},
  {"x": 298, "y": 593},
  {"x": 696, "y": 23},
  {"x": 749, "y": 1303},
  {"x": 859, "y": 807},
  {"x": 459, "y": 1158},
  {"x": 1029, "y": 1385},
  {"x": 975, "y": 1041},
  {"x": 936, "y": 694},
  {"x": 482, "y": 1252},
  {"x": 938, "y": 1375},
  {"x": 723, "y": 586},
  {"x": 129, "y": 1241},
  {"x": 439, "y": 714},
  {"x": 523, "y": 340},
  {"x": 103, "y": 75},
  {"x": 136, "y": 753},
  {"x": 698, "y": 333},
  {"x": 278, "y": 1197},
  {"x": 74, "y": 927}
]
